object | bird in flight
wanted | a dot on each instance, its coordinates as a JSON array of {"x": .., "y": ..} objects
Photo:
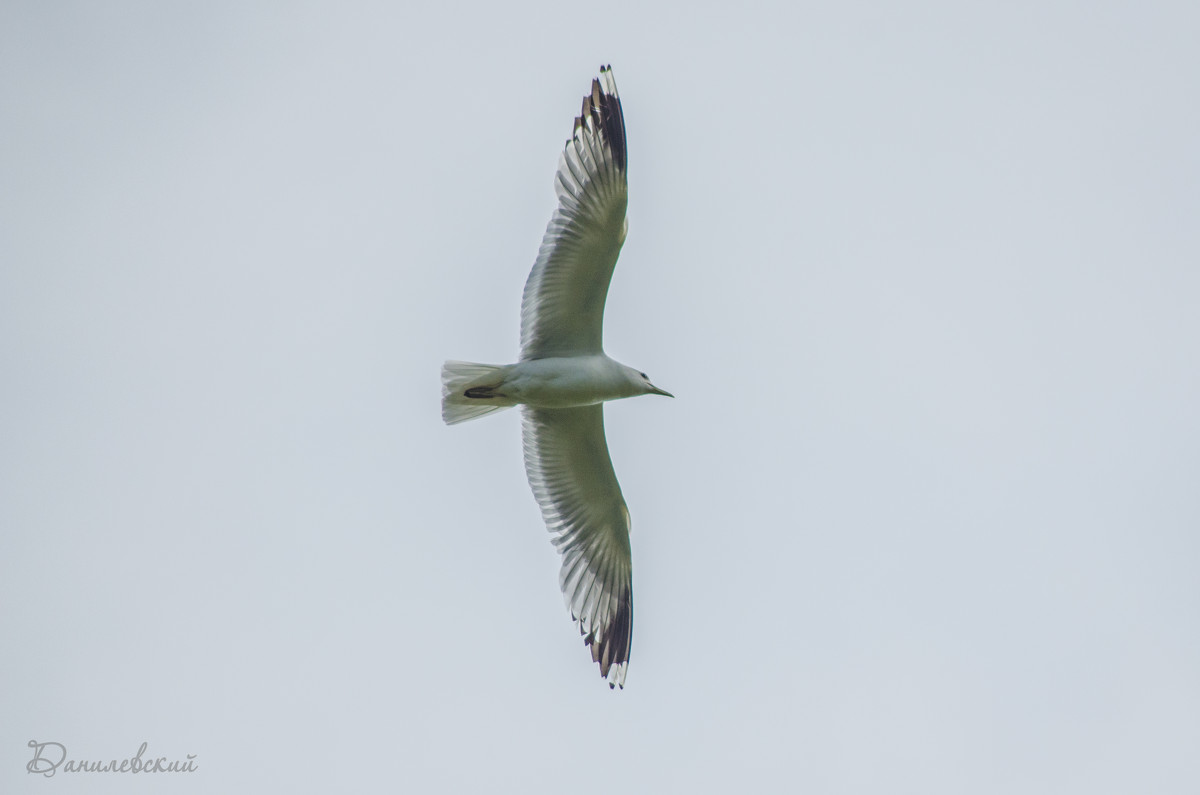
[{"x": 564, "y": 377}]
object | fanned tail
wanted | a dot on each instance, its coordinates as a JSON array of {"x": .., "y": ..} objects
[{"x": 469, "y": 391}]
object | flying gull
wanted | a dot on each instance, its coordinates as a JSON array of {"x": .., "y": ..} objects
[{"x": 564, "y": 377}]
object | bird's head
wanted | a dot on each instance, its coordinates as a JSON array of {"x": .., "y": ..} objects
[{"x": 648, "y": 388}]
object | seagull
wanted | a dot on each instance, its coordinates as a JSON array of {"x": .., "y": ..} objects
[{"x": 564, "y": 377}]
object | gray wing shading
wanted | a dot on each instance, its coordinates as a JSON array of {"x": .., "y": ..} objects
[
  {"x": 569, "y": 469},
  {"x": 562, "y": 310}
]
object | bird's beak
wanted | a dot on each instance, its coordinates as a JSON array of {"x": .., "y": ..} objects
[{"x": 656, "y": 391}]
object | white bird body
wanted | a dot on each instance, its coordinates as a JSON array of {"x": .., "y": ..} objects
[
  {"x": 561, "y": 382},
  {"x": 564, "y": 377}
]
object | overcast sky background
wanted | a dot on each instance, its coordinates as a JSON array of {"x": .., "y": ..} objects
[{"x": 923, "y": 518}]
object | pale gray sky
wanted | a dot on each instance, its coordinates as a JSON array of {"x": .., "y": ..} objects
[{"x": 924, "y": 517}]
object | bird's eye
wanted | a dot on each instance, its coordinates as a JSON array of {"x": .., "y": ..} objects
[{"x": 643, "y": 375}]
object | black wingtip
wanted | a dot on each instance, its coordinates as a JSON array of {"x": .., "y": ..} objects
[
  {"x": 603, "y": 105},
  {"x": 612, "y": 649}
]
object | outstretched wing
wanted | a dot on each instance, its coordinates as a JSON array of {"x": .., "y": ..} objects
[
  {"x": 566, "y": 459},
  {"x": 562, "y": 311}
]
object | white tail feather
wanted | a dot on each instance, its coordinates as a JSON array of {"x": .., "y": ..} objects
[{"x": 457, "y": 378}]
